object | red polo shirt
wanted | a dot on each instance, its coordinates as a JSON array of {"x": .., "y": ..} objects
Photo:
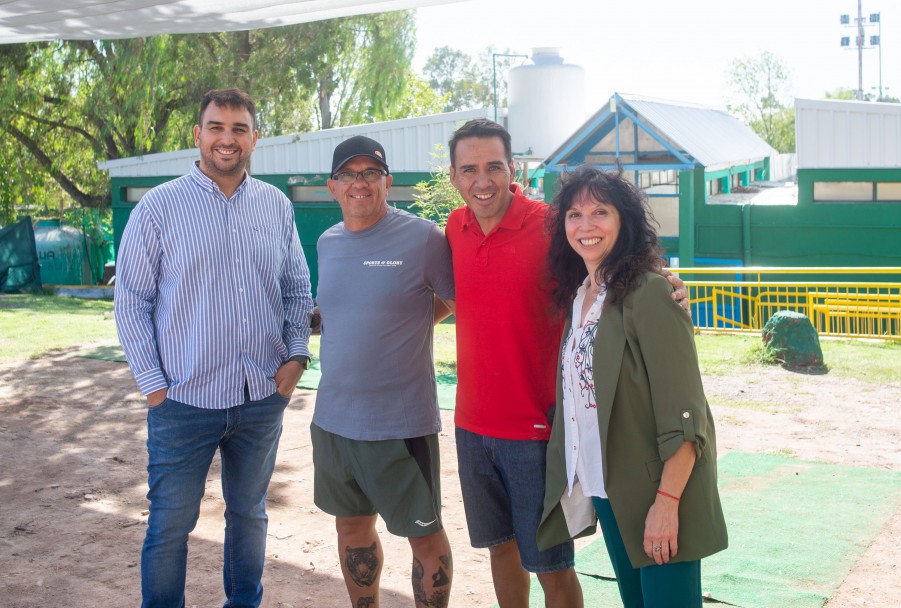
[{"x": 508, "y": 336}]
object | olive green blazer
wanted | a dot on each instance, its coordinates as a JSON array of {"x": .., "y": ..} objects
[{"x": 650, "y": 400}]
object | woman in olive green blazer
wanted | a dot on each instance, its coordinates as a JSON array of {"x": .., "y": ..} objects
[{"x": 628, "y": 358}]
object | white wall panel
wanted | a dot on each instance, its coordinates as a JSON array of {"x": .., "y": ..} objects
[{"x": 847, "y": 134}]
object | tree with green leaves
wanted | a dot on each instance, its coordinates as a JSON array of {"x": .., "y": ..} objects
[
  {"x": 362, "y": 66},
  {"x": 846, "y": 93},
  {"x": 67, "y": 105},
  {"x": 435, "y": 198},
  {"x": 64, "y": 106},
  {"x": 761, "y": 90},
  {"x": 418, "y": 99},
  {"x": 468, "y": 82},
  {"x": 843, "y": 93}
]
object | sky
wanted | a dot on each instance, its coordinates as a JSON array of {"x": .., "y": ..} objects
[{"x": 675, "y": 50}]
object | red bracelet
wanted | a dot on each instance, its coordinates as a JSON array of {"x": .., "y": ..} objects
[{"x": 662, "y": 493}]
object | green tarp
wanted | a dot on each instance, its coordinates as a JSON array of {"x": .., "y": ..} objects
[{"x": 19, "y": 267}]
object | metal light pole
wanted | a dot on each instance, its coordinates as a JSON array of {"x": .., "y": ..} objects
[
  {"x": 859, "y": 51},
  {"x": 880, "y": 56},
  {"x": 494, "y": 57},
  {"x": 860, "y": 43},
  {"x": 878, "y": 20}
]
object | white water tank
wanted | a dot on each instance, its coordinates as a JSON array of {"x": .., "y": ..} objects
[{"x": 545, "y": 102}]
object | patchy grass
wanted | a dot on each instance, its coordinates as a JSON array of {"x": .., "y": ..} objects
[
  {"x": 314, "y": 347},
  {"x": 876, "y": 361},
  {"x": 771, "y": 407},
  {"x": 720, "y": 354},
  {"x": 730, "y": 420},
  {"x": 445, "y": 347},
  {"x": 761, "y": 354},
  {"x": 34, "y": 325},
  {"x": 784, "y": 452}
]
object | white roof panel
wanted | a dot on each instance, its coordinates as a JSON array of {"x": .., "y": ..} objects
[
  {"x": 408, "y": 144},
  {"x": 712, "y": 136},
  {"x": 709, "y": 136},
  {"x": 838, "y": 134}
]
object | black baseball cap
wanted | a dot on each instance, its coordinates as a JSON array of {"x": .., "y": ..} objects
[{"x": 358, "y": 145}]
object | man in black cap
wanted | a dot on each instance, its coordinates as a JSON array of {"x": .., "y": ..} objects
[{"x": 385, "y": 278}]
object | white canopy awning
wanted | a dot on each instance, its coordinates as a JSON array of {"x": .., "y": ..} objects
[{"x": 32, "y": 20}]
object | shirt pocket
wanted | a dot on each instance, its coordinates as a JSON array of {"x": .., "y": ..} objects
[{"x": 266, "y": 249}]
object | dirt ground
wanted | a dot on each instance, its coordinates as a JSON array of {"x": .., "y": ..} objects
[{"x": 73, "y": 511}]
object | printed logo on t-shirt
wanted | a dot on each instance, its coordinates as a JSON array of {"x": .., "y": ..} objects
[{"x": 382, "y": 263}]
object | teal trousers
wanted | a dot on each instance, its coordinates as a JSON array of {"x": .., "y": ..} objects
[{"x": 673, "y": 585}]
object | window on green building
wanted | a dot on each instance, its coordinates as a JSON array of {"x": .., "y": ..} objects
[
  {"x": 888, "y": 192},
  {"x": 133, "y": 195},
  {"x": 857, "y": 192}
]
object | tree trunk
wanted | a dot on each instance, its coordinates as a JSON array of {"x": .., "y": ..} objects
[
  {"x": 82, "y": 198},
  {"x": 325, "y": 106}
]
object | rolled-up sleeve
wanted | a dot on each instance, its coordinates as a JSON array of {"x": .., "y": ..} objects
[
  {"x": 136, "y": 293},
  {"x": 666, "y": 336}
]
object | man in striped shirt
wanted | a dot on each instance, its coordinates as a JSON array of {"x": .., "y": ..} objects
[{"x": 213, "y": 311}]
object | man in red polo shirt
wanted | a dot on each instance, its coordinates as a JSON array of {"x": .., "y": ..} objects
[{"x": 508, "y": 338}]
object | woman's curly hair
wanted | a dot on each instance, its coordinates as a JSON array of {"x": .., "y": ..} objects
[{"x": 635, "y": 252}]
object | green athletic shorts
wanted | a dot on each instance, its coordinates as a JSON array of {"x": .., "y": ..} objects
[{"x": 396, "y": 478}]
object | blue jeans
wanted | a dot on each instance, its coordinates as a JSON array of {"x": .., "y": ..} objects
[
  {"x": 502, "y": 482},
  {"x": 181, "y": 443}
]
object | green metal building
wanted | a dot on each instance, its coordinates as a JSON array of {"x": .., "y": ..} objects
[
  {"x": 690, "y": 160},
  {"x": 848, "y": 206}
]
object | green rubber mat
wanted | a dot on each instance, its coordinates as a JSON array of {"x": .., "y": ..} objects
[
  {"x": 447, "y": 384},
  {"x": 796, "y": 529}
]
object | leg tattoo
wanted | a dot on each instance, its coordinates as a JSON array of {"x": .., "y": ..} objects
[
  {"x": 363, "y": 565},
  {"x": 439, "y": 597},
  {"x": 418, "y": 590},
  {"x": 440, "y": 578}
]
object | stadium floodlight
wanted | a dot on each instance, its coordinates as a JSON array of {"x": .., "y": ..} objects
[{"x": 860, "y": 42}]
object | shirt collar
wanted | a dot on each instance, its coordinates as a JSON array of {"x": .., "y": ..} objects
[
  {"x": 512, "y": 219},
  {"x": 204, "y": 181},
  {"x": 594, "y": 313}
]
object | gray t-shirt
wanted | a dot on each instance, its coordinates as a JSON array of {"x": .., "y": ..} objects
[{"x": 376, "y": 296}]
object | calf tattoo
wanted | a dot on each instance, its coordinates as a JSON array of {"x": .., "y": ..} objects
[
  {"x": 363, "y": 565},
  {"x": 448, "y": 563},
  {"x": 440, "y": 597},
  {"x": 366, "y": 602}
]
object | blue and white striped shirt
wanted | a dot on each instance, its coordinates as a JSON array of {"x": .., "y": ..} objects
[{"x": 211, "y": 293}]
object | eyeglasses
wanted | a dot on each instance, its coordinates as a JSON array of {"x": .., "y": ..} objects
[{"x": 370, "y": 176}]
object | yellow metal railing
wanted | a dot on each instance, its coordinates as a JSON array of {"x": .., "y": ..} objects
[{"x": 735, "y": 299}]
